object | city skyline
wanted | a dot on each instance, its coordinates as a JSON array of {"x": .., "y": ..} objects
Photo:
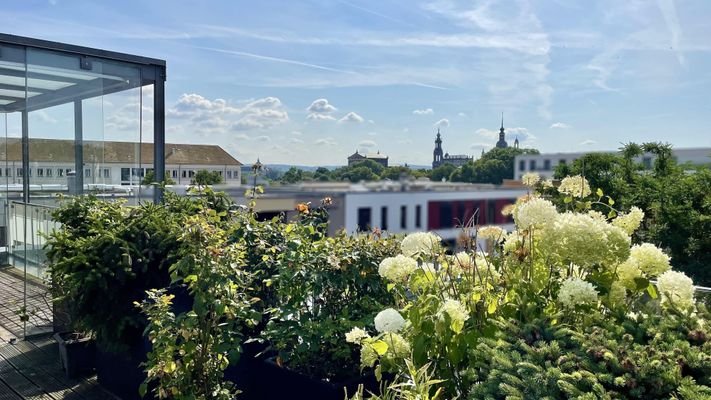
[{"x": 308, "y": 82}]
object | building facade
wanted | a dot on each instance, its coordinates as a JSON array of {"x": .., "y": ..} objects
[
  {"x": 356, "y": 158},
  {"x": 440, "y": 157},
  {"x": 545, "y": 164},
  {"x": 111, "y": 163},
  {"x": 398, "y": 207}
]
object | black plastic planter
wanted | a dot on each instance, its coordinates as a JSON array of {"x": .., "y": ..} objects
[
  {"x": 275, "y": 382},
  {"x": 122, "y": 373},
  {"x": 76, "y": 352}
]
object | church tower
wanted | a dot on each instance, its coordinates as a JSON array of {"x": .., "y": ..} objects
[
  {"x": 516, "y": 143},
  {"x": 502, "y": 135},
  {"x": 438, "y": 152}
]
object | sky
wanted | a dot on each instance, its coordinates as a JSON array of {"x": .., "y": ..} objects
[{"x": 309, "y": 82}]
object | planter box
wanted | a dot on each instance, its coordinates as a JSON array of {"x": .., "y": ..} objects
[
  {"x": 76, "y": 352},
  {"x": 122, "y": 373},
  {"x": 275, "y": 382}
]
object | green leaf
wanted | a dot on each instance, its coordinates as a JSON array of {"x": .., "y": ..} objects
[
  {"x": 611, "y": 214},
  {"x": 380, "y": 347},
  {"x": 456, "y": 325},
  {"x": 599, "y": 192},
  {"x": 491, "y": 308},
  {"x": 143, "y": 389},
  {"x": 190, "y": 278},
  {"x": 390, "y": 286},
  {"x": 568, "y": 199},
  {"x": 610, "y": 201},
  {"x": 652, "y": 291}
]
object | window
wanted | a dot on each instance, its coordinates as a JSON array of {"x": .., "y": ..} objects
[
  {"x": 384, "y": 218},
  {"x": 191, "y": 173},
  {"x": 60, "y": 172},
  {"x": 49, "y": 172},
  {"x": 125, "y": 174},
  {"x": 546, "y": 165},
  {"x": 40, "y": 172},
  {"x": 522, "y": 165},
  {"x": 403, "y": 217},
  {"x": 229, "y": 174},
  {"x": 490, "y": 211},
  {"x": 532, "y": 165},
  {"x": 87, "y": 173},
  {"x": 418, "y": 216},
  {"x": 68, "y": 171},
  {"x": 8, "y": 172},
  {"x": 364, "y": 219},
  {"x": 19, "y": 172},
  {"x": 445, "y": 215},
  {"x": 185, "y": 174},
  {"x": 562, "y": 161},
  {"x": 647, "y": 162},
  {"x": 0, "y": 172},
  {"x": 106, "y": 173},
  {"x": 174, "y": 173}
]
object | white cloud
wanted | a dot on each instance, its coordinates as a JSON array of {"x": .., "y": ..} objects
[
  {"x": 351, "y": 117},
  {"x": 263, "y": 138},
  {"x": 463, "y": 115},
  {"x": 216, "y": 116},
  {"x": 442, "y": 123},
  {"x": 320, "y": 117},
  {"x": 587, "y": 142},
  {"x": 296, "y": 133},
  {"x": 296, "y": 140},
  {"x": 560, "y": 125},
  {"x": 426, "y": 111},
  {"x": 321, "y": 110},
  {"x": 369, "y": 144},
  {"x": 321, "y": 106},
  {"x": 327, "y": 141},
  {"x": 241, "y": 136},
  {"x": 372, "y": 133}
]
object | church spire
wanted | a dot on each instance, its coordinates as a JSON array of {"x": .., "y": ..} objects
[{"x": 502, "y": 135}]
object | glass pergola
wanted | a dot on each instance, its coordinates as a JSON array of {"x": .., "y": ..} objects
[{"x": 72, "y": 120}]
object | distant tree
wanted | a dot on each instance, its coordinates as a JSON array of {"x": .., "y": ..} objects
[
  {"x": 360, "y": 173},
  {"x": 394, "y": 173},
  {"x": 149, "y": 179},
  {"x": 322, "y": 174},
  {"x": 493, "y": 167},
  {"x": 442, "y": 172},
  {"x": 205, "y": 177},
  {"x": 293, "y": 175},
  {"x": 272, "y": 174}
]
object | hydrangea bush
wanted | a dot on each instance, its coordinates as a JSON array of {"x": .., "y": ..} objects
[{"x": 566, "y": 276}]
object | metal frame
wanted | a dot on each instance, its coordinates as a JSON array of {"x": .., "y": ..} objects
[{"x": 152, "y": 72}]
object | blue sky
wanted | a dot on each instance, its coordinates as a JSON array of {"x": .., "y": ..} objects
[{"x": 308, "y": 82}]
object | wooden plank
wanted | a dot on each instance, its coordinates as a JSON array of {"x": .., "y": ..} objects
[
  {"x": 19, "y": 383},
  {"x": 58, "y": 389},
  {"x": 6, "y": 393},
  {"x": 44, "y": 351}
]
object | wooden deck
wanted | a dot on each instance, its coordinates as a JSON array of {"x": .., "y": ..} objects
[
  {"x": 38, "y": 305},
  {"x": 30, "y": 369}
]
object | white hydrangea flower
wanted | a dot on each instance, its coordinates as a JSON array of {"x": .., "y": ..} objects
[
  {"x": 630, "y": 221},
  {"x": 597, "y": 215},
  {"x": 627, "y": 272},
  {"x": 493, "y": 232},
  {"x": 397, "y": 345},
  {"x": 514, "y": 241},
  {"x": 419, "y": 243},
  {"x": 677, "y": 288},
  {"x": 576, "y": 186},
  {"x": 548, "y": 183},
  {"x": 534, "y": 212},
  {"x": 455, "y": 310},
  {"x": 398, "y": 268},
  {"x": 575, "y": 291},
  {"x": 584, "y": 240},
  {"x": 530, "y": 179},
  {"x": 617, "y": 295},
  {"x": 356, "y": 335},
  {"x": 389, "y": 320},
  {"x": 650, "y": 259}
]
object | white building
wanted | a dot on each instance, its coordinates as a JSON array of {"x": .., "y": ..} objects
[
  {"x": 112, "y": 163},
  {"x": 545, "y": 164},
  {"x": 398, "y": 207}
]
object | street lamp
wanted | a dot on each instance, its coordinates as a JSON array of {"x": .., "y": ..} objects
[{"x": 256, "y": 169}]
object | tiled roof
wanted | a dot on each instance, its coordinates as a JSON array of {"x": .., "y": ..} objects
[{"x": 58, "y": 150}]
